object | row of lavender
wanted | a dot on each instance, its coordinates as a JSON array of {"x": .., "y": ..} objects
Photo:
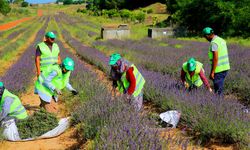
[
  {"x": 210, "y": 116},
  {"x": 116, "y": 123},
  {"x": 15, "y": 32},
  {"x": 20, "y": 75},
  {"x": 168, "y": 59},
  {"x": 11, "y": 48}
]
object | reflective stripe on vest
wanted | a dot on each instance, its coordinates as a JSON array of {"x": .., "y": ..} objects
[
  {"x": 195, "y": 79},
  {"x": 48, "y": 57},
  {"x": 223, "y": 59},
  {"x": 140, "y": 81},
  {"x": 16, "y": 109},
  {"x": 60, "y": 81}
]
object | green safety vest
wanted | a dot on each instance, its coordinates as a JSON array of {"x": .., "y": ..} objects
[
  {"x": 48, "y": 57},
  {"x": 16, "y": 109},
  {"x": 124, "y": 83},
  {"x": 195, "y": 79},
  {"x": 60, "y": 81},
  {"x": 223, "y": 59}
]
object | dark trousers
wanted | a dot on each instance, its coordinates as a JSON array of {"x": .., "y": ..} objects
[{"x": 219, "y": 82}]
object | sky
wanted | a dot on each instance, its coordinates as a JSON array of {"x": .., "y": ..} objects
[{"x": 39, "y": 1}]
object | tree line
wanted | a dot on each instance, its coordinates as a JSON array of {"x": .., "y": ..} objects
[{"x": 230, "y": 17}]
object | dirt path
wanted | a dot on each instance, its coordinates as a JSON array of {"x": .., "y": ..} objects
[{"x": 13, "y": 23}]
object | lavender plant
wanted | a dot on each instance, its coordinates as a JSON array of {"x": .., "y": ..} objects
[
  {"x": 205, "y": 114},
  {"x": 18, "y": 76}
]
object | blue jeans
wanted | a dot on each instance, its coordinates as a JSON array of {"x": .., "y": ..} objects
[{"x": 219, "y": 81}]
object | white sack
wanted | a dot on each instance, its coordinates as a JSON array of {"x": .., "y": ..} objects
[
  {"x": 172, "y": 117},
  {"x": 11, "y": 132}
]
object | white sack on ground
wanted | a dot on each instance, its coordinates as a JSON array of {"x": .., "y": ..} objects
[
  {"x": 172, "y": 117},
  {"x": 11, "y": 132}
]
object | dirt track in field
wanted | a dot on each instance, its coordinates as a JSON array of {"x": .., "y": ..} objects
[{"x": 13, "y": 23}]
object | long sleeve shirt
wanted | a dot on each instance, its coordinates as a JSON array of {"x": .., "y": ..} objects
[
  {"x": 201, "y": 74},
  {"x": 47, "y": 82},
  {"x": 6, "y": 108},
  {"x": 131, "y": 78}
]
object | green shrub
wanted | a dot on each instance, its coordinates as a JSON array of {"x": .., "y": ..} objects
[
  {"x": 150, "y": 11},
  {"x": 4, "y": 7},
  {"x": 25, "y": 4},
  {"x": 113, "y": 13},
  {"x": 37, "y": 124},
  {"x": 125, "y": 14},
  {"x": 140, "y": 16}
]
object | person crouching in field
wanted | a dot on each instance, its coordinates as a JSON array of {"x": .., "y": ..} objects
[
  {"x": 127, "y": 79},
  {"x": 10, "y": 106},
  {"x": 193, "y": 75},
  {"x": 50, "y": 83}
]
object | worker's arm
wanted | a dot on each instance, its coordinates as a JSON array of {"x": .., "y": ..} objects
[
  {"x": 215, "y": 60},
  {"x": 71, "y": 89},
  {"x": 47, "y": 82},
  {"x": 183, "y": 74},
  {"x": 204, "y": 79},
  {"x": 6, "y": 108},
  {"x": 37, "y": 60},
  {"x": 131, "y": 79},
  {"x": 59, "y": 59}
]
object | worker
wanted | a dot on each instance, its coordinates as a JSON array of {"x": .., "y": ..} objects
[
  {"x": 128, "y": 80},
  {"x": 10, "y": 106},
  {"x": 50, "y": 83},
  {"x": 193, "y": 75},
  {"x": 47, "y": 53},
  {"x": 219, "y": 60}
]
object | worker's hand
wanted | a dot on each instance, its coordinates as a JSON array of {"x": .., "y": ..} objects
[
  {"x": 74, "y": 92},
  {"x": 38, "y": 74},
  {"x": 128, "y": 97},
  {"x": 186, "y": 84},
  {"x": 210, "y": 90},
  {"x": 125, "y": 91},
  {"x": 58, "y": 92},
  {"x": 211, "y": 76},
  {"x": 55, "y": 98}
]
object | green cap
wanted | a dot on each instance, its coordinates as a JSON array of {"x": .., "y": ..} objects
[
  {"x": 114, "y": 58},
  {"x": 50, "y": 35},
  {"x": 68, "y": 64},
  {"x": 191, "y": 64},
  {"x": 207, "y": 31},
  {"x": 1, "y": 84}
]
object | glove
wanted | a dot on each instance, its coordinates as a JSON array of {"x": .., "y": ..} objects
[
  {"x": 210, "y": 90},
  {"x": 55, "y": 97},
  {"x": 74, "y": 92},
  {"x": 186, "y": 85},
  {"x": 58, "y": 92}
]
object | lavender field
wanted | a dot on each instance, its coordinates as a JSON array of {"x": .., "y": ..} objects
[
  {"x": 104, "y": 121},
  {"x": 211, "y": 116}
]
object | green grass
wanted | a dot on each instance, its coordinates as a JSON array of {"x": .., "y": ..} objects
[
  {"x": 18, "y": 13},
  {"x": 232, "y": 40},
  {"x": 10, "y": 51}
]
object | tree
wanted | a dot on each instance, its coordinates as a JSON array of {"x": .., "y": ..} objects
[
  {"x": 25, "y": 4},
  {"x": 68, "y": 2},
  {"x": 4, "y": 7},
  {"x": 224, "y": 16},
  {"x": 18, "y": 1}
]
